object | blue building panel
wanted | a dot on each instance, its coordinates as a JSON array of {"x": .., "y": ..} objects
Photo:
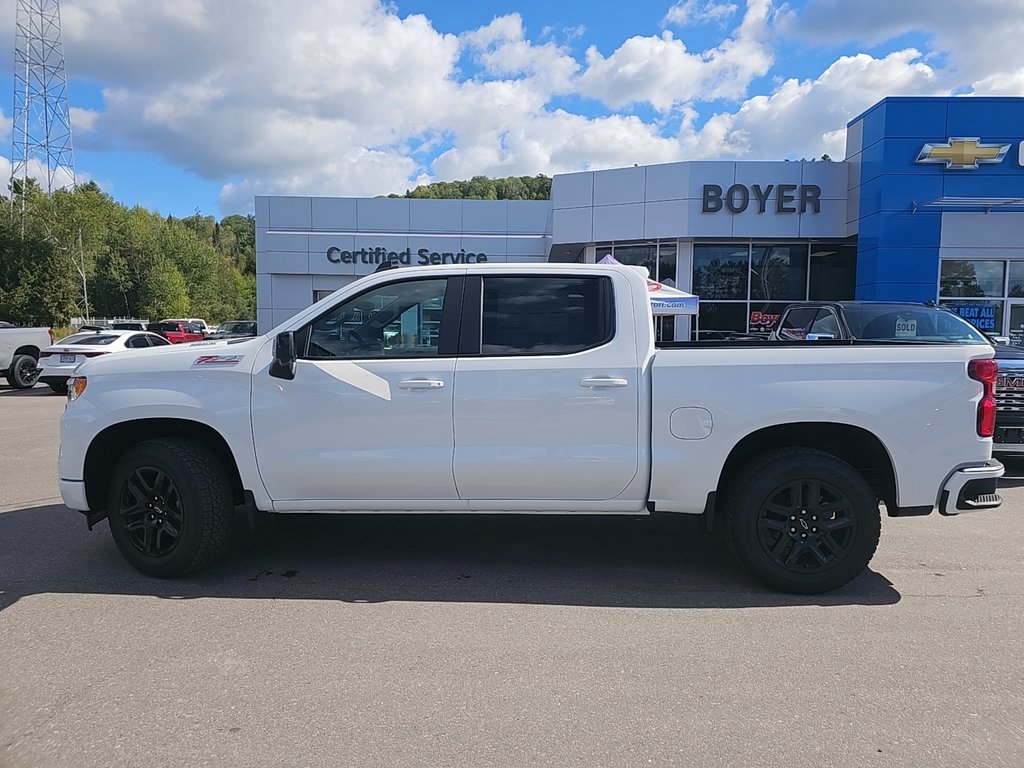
[
  {"x": 985, "y": 116},
  {"x": 900, "y": 201},
  {"x": 910, "y": 118}
]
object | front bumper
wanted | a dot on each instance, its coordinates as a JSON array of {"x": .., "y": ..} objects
[
  {"x": 971, "y": 489},
  {"x": 73, "y": 493}
]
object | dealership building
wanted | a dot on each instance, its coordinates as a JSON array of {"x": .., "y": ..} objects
[{"x": 927, "y": 206}]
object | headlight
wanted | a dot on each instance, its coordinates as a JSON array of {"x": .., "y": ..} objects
[{"x": 76, "y": 386}]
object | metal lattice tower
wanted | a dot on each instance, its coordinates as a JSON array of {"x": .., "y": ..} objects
[{"x": 42, "y": 130}]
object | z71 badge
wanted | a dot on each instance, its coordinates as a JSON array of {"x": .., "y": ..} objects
[{"x": 218, "y": 360}]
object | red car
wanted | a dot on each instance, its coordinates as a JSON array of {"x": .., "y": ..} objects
[{"x": 176, "y": 332}]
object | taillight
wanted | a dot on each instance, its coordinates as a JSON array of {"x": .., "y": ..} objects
[
  {"x": 91, "y": 354},
  {"x": 986, "y": 372},
  {"x": 44, "y": 354}
]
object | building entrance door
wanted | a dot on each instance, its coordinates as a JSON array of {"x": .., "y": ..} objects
[{"x": 1015, "y": 322}]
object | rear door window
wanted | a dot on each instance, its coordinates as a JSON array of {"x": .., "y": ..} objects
[{"x": 546, "y": 316}]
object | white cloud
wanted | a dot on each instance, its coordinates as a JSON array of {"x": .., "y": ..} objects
[
  {"x": 981, "y": 39},
  {"x": 662, "y": 72},
  {"x": 83, "y": 119},
  {"x": 808, "y": 118},
  {"x": 687, "y": 12}
]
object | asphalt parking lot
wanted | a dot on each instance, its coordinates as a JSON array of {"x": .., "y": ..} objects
[{"x": 436, "y": 641}]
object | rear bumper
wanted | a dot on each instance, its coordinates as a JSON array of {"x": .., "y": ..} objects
[
  {"x": 1009, "y": 440},
  {"x": 971, "y": 489}
]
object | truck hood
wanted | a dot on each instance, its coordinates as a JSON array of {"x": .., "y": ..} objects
[{"x": 197, "y": 355}]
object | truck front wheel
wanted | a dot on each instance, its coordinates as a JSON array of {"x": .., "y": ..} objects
[
  {"x": 169, "y": 504},
  {"x": 802, "y": 520}
]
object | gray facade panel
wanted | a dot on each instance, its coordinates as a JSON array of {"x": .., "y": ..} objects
[
  {"x": 382, "y": 214},
  {"x": 334, "y": 213},
  {"x": 831, "y": 222},
  {"x": 750, "y": 173},
  {"x": 618, "y": 222},
  {"x": 667, "y": 182},
  {"x": 572, "y": 225},
  {"x": 619, "y": 186},
  {"x": 831, "y": 177},
  {"x": 287, "y": 263},
  {"x": 485, "y": 216},
  {"x": 285, "y": 242},
  {"x": 290, "y": 213},
  {"x": 435, "y": 215},
  {"x": 707, "y": 224},
  {"x": 667, "y": 218},
  {"x": 529, "y": 217},
  {"x": 292, "y": 293},
  {"x": 573, "y": 190}
]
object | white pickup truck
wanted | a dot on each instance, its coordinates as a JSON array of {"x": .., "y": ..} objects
[
  {"x": 19, "y": 354},
  {"x": 528, "y": 389}
]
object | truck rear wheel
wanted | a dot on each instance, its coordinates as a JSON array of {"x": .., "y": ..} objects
[
  {"x": 803, "y": 521},
  {"x": 170, "y": 505},
  {"x": 23, "y": 374}
]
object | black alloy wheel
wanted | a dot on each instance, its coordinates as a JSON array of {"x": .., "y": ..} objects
[
  {"x": 151, "y": 510},
  {"x": 807, "y": 526}
]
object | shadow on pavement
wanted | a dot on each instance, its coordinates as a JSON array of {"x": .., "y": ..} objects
[
  {"x": 638, "y": 562},
  {"x": 39, "y": 390}
]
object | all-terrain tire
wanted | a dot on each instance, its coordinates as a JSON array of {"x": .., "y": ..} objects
[
  {"x": 170, "y": 506},
  {"x": 802, "y": 520}
]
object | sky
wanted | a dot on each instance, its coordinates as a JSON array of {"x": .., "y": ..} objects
[{"x": 185, "y": 106}]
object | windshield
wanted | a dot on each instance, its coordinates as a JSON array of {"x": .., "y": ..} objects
[
  {"x": 241, "y": 326},
  {"x": 911, "y": 324},
  {"x": 88, "y": 338}
]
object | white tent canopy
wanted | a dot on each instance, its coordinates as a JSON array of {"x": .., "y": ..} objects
[{"x": 665, "y": 300}]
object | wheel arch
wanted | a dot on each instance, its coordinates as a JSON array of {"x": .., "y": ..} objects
[
  {"x": 858, "y": 447},
  {"x": 27, "y": 349},
  {"x": 110, "y": 445}
]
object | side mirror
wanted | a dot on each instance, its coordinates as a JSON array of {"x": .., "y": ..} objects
[{"x": 283, "y": 365}]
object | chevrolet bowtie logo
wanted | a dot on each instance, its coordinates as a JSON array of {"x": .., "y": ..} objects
[{"x": 963, "y": 153}]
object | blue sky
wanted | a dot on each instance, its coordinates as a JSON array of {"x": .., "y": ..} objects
[{"x": 186, "y": 105}]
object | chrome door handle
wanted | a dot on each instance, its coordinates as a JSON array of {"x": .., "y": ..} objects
[
  {"x": 421, "y": 384},
  {"x": 603, "y": 381}
]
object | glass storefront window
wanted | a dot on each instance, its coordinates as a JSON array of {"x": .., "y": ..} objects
[
  {"x": 719, "y": 319},
  {"x": 986, "y": 316},
  {"x": 833, "y": 272},
  {"x": 639, "y": 256},
  {"x": 720, "y": 271},
  {"x": 667, "y": 264},
  {"x": 1016, "y": 286},
  {"x": 778, "y": 272},
  {"x": 971, "y": 278}
]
